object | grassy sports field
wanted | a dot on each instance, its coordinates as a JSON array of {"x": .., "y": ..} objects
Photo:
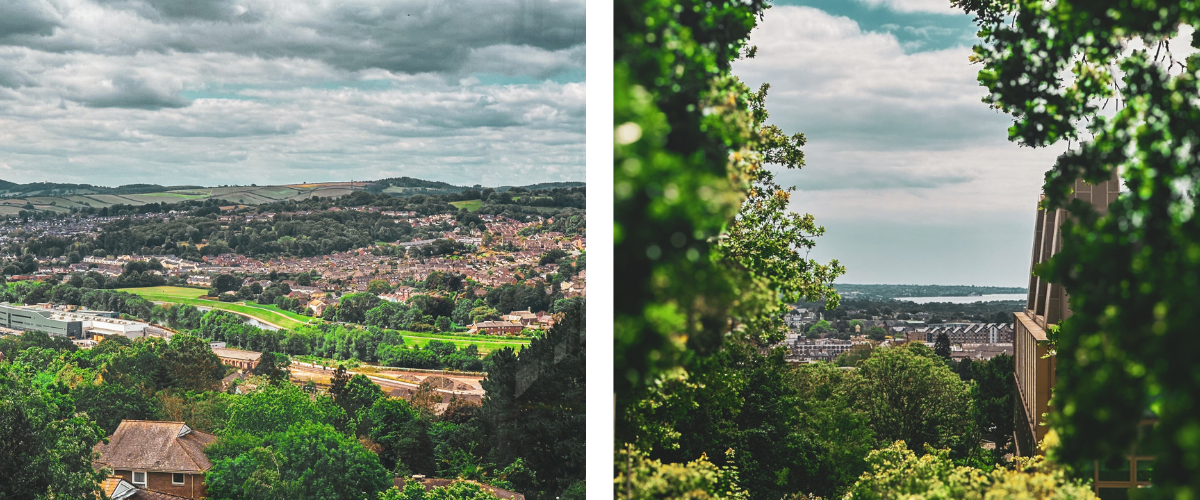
[
  {"x": 290, "y": 320},
  {"x": 190, "y": 296},
  {"x": 470, "y": 205}
]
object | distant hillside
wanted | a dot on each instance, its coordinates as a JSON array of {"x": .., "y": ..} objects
[
  {"x": 407, "y": 186},
  {"x": 901, "y": 291},
  {"x": 61, "y": 198},
  {"x": 545, "y": 185},
  {"x": 14, "y": 190}
]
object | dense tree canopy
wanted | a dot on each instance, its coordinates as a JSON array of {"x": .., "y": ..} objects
[
  {"x": 702, "y": 235},
  {"x": 45, "y": 447},
  {"x": 1104, "y": 77}
]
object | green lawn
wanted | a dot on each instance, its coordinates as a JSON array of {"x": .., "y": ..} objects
[
  {"x": 470, "y": 205},
  {"x": 485, "y": 343},
  {"x": 189, "y": 296},
  {"x": 291, "y": 321}
]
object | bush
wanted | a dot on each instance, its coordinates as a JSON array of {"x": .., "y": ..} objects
[{"x": 897, "y": 472}]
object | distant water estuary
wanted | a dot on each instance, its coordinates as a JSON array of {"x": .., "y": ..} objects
[{"x": 968, "y": 299}]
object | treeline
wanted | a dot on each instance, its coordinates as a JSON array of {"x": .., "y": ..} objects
[
  {"x": 319, "y": 233},
  {"x": 279, "y": 437},
  {"x": 36, "y": 292},
  {"x": 812, "y": 428},
  {"x": 339, "y": 342},
  {"x": 381, "y": 320},
  {"x": 901, "y": 291},
  {"x": 999, "y": 311}
]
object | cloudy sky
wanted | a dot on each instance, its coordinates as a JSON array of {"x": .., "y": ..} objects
[
  {"x": 279, "y": 91},
  {"x": 911, "y": 175}
]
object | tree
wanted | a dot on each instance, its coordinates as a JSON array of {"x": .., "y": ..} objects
[
  {"x": 941, "y": 346},
  {"x": 352, "y": 308},
  {"x": 47, "y": 447},
  {"x": 191, "y": 363},
  {"x": 274, "y": 366},
  {"x": 820, "y": 329},
  {"x": 876, "y": 333},
  {"x": 274, "y": 408},
  {"x": 225, "y": 282},
  {"x": 307, "y": 461},
  {"x": 897, "y": 472},
  {"x": 1066, "y": 70},
  {"x": 458, "y": 490},
  {"x": 855, "y": 355},
  {"x": 378, "y": 287},
  {"x": 109, "y": 404},
  {"x": 641, "y": 478},
  {"x": 993, "y": 396},
  {"x": 534, "y": 407},
  {"x": 359, "y": 395},
  {"x": 912, "y": 397},
  {"x": 677, "y": 287},
  {"x": 403, "y": 433},
  {"x": 337, "y": 383}
]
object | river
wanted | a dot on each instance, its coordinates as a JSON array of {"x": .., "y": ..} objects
[{"x": 967, "y": 299}]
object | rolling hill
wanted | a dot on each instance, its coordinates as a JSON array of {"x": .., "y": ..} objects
[{"x": 56, "y": 197}]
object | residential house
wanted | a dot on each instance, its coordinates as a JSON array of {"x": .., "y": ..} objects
[
  {"x": 164, "y": 457},
  {"x": 496, "y": 328}
]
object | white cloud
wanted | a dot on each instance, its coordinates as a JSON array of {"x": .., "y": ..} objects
[
  {"x": 897, "y": 141},
  {"x": 934, "y": 6},
  {"x": 224, "y": 91}
]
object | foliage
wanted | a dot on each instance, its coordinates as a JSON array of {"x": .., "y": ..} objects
[
  {"x": 356, "y": 399},
  {"x": 45, "y": 447},
  {"x": 458, "y": 490},
  {"x": 191, "y": 364},
  {"x": 820, "y": 329},
  {"x": 689, "y": 152},
  {"x": 306, "y": 461},
  {"x": 910, "y": 396},
  {"x": 855, "y": 355},
  {"x": 941, "y": 346},
  {"x": 534, "y": 408},
  {"x": 641, "y": 478},
  {"x": 274, "y": 408},
  {"x": 109, "y": 404},
  {"x": 993, "y": 396},
  {"x": 1131, "y": 273},
  {"x": 404, "y": 435},
  {"x": 897, "y": 472}
]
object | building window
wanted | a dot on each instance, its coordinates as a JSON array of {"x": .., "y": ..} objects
[
  {"x": 177, "y": 478},
  {"x": 139, "y": 478}
]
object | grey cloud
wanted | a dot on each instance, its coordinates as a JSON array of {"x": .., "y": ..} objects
[
  {"x": 130, "y": 92},
  {"x": 403, "y": 37},
  {"x": 873, "y": 179},
  {"x": 290, "y": 90},
  {"x": 14, "y": 78},
  {"x": 210, "y": 10},
  {"x": 36, "y": 17}
]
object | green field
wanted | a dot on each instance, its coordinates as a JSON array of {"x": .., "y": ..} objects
[
  {"x": 470, "y": 205},
  {"x": 290, "y": 320},
  {"x": 189, "y": 296},
  {"x": 485, "y": 343}
]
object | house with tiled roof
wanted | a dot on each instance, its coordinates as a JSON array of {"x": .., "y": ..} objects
[{"x": 163, "y": 457}]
